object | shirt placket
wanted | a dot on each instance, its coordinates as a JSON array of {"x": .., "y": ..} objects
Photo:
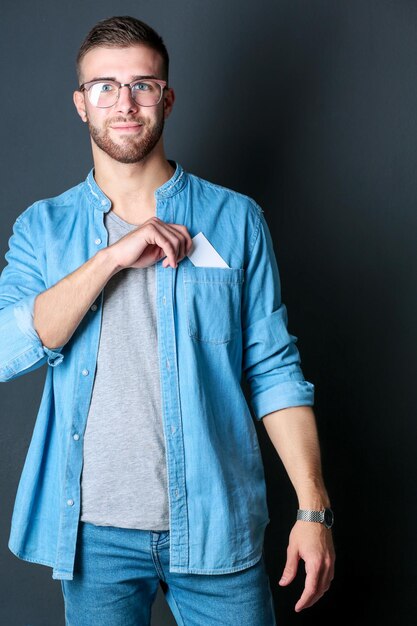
[
  {"x": 71, "y": 492},
  {"x": 171, "y": 413}
]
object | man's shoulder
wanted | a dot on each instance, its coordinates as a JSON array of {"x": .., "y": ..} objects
[
  {"x": 67, "y": 199},
  {"x": 215, "y": 190}
]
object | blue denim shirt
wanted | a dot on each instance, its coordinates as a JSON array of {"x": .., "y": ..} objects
[{"x": 215, "y": 325}]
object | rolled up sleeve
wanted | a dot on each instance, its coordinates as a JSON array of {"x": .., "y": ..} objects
[
  {"x": 271, "y": 360},
  {"x": 21, "y": 349}
]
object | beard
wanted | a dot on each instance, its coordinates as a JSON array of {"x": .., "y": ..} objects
[{"x": 130, "y": 149}]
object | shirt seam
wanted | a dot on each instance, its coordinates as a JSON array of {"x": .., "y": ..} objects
[
  {"x": 27, "y": 233},
  {"x": 92, "y": 190},
  {"x": 9, "y": 367},
  {"x": 165, "y": 191},
  {"x": 257, "y": 227}
]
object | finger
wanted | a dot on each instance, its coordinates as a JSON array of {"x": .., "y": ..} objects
[
  {"x": 180, "y": 237},
  {"x": 291, "y": 566},
  {"x": 174, "y": 234},
  {"x": 179, "y": 229},
  {"x": 169, "y": 246},
  {"x": 325, "y": 575},
  {"x": 312, "y": 590},
  {"x": 328, "y": 575},
  {"x": 184, "y": 237}
]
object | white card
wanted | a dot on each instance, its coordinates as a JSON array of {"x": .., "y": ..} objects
[{"x": 202, "y": 254}]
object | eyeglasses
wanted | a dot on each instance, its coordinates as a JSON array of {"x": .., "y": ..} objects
[{"x": 104, "y": 94}]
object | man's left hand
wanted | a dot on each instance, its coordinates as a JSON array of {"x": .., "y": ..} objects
[{"x": 312, "y": 542}]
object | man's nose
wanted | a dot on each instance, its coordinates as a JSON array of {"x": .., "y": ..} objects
[{"x": 125, "y": 102}]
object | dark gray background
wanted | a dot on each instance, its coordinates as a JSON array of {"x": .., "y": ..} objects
[{"x": 309, "y": 106}]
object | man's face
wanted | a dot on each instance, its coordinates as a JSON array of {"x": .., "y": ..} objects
[{"x": 127, "y": 131}]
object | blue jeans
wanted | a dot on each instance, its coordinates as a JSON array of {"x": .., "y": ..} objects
[{"x": 118, "y": 570}]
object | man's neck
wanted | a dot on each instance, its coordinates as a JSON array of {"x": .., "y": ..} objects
[{"x": 131, "y": 187}]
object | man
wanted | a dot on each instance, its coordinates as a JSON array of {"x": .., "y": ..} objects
[{"x": 150, "y": 292}]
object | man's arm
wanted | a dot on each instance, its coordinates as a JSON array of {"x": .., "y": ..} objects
[
  {"x": 34, "y": 319},
  {"x": 293, "y": 433},
  {"x": 59, "y": 310},
  {"x": 282, "y": 398}
]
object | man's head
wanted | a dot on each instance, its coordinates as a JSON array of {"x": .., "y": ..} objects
[{"x": 123, "y": 50}]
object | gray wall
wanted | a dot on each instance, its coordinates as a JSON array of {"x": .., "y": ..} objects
[{"x": 329, "y": 152}]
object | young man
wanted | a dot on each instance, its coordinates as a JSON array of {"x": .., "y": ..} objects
[{"x": 150, "y": 292}]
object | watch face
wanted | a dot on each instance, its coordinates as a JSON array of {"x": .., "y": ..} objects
[{"x": 328, "y": 518}]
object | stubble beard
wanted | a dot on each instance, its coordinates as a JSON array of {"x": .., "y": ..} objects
[{"x": 130, "y": 149}]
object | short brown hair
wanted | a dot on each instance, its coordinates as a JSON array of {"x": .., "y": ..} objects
[{"x": 121, "y": 32}]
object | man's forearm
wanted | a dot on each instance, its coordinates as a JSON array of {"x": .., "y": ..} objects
[
  {"x": 59, "y": 310},
  {"x": 293, "y": 433}
]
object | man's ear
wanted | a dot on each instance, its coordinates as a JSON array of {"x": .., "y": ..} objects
[
  {"x": 80, "y": 105},
  {"x": 169, "y": 99}
]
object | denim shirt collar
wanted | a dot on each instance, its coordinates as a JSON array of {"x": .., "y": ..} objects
[{"x": 174, "y": 185}]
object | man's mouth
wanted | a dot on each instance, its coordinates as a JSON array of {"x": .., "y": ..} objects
[{"x": 129, "y": 127}]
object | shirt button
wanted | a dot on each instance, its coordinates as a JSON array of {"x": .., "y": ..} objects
[
  {"x": 97, "y": 241},
  {"x": 167, "y": 364},
  {"x": 70, "y": 502},
  {"x": 164, "y": 300},
  {"x": 94, "y": 307},
  {"x": 85, "y": 372},
  {"x": 76, "y": 436}
]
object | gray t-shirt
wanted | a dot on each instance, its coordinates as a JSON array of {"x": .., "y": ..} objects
[{"x": 124, "y": 476}]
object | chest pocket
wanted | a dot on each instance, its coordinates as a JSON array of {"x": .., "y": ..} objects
[{"x": 213, "y": 302}]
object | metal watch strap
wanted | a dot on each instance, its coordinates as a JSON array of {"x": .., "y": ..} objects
[
  {"x": 325, "y": 516},
  {"x": 310, "y": 516}
]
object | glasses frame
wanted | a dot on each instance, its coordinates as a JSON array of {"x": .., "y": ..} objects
[{"x": 161, "y": 83}]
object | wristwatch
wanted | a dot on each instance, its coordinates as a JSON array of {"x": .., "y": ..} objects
[{"x": 325, "y": 517}]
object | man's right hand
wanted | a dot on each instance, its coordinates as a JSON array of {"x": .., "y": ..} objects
[
  {"x": 149, "y": 243},
  {"x": 59, "y": 309}
]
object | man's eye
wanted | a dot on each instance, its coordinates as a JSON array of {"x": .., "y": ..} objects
[
  {"x": 106, "y": 87},
  {"x": 141, "y": 87}
]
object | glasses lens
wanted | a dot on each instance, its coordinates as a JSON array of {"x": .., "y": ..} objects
[
  {"x": 146, "y": 92},
  {"x": 103, "y": 94}
]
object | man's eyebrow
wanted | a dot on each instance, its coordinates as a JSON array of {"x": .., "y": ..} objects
[
  {"x": 114, "y": 78},
  {"x": 140, "y": 77}
]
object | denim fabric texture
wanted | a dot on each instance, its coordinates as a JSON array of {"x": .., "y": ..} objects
[
  {"x": 216, "y": 326},
  {"x": 118, "y": 571}
]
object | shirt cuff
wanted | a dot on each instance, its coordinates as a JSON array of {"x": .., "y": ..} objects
[
  {"x": 23, "y": 312},
  {"x": 283, "y": 396}
]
